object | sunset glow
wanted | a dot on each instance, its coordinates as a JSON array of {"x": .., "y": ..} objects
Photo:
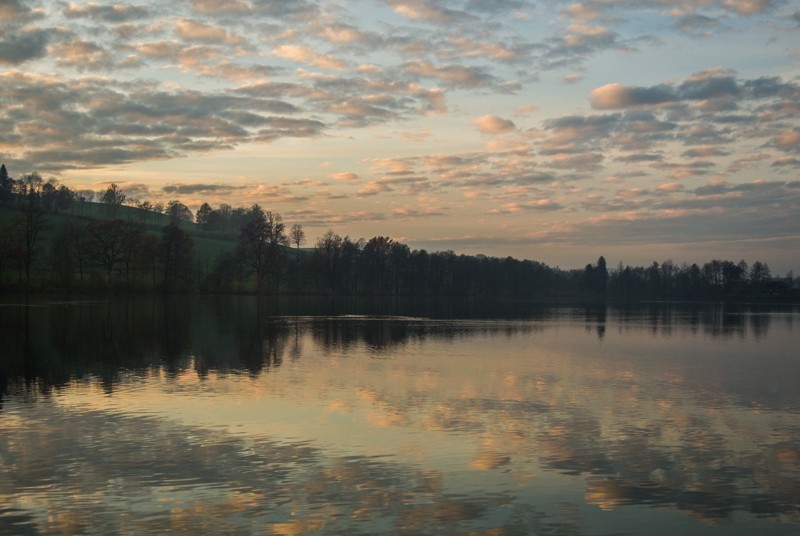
[{"x": 640, "y": 131}]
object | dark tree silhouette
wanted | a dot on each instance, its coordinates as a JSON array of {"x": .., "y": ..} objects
[
  {"x": 68, "y": 253},
  {"x": 113, "y": 198},
  {"x": 26, "y": 231},
  {"x": 260, "y": 243},
  {"x": 108, "y": 244},
  {"x": 376, "y": 257},
  {"x": 178, "y": 212},
  {"x": 203, "y": 216},
  {"x": 326, "y": 253},
  {"x": 175, "y": 256},
  {"x": 297, "y": 235},
  {"x": 6, "y": 185}
]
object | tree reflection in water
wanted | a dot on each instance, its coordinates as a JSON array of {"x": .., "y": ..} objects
[{"x": 518, "y": 420}]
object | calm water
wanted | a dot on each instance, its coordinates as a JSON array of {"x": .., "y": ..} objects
[{"x": 229, "y": 416}]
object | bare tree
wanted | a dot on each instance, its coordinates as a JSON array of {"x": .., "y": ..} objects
[
  {"x": 26, "y": 230},
  {"x": 296, "y": 235},
  {"x": 114, "y": 198},
  {"x": 260, "y": 242}
]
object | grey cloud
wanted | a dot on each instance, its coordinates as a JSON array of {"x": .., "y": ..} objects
[
  {"x": 695, "y": 24},
  {"x": 597, "y": 123},
  {"x": 250, "y": 119},
  {"x": 433, "y": 11},
  {"x": 786, "y": 162},
  {"x": 541, "y": 205},
  {"x": 221, "y": 7},
  {"x": 496, "y": 6},
  {"x": 631, "y": 131},
  {"x": 191, "y": 189},
  {"x": 451, "y": 75},
  {"x": 84, "y": 156},
  {"x": 14, "y": 10},
  {"x": 323, "y": 218},
  {"x": 707, "y": 86},
  {"x": 19, "y": 47},
  {"x": 770, "y": 86},
  {"x": 773, "y": 189},
  {"x": 408, "y": 214},
  {"x": 574, "y": 48},
  {"x": 281, "y": 127},
  {"x": 704, "y": 152},
  {"x": 699, "y": 225},
  {"x": 92, "y": 123},
  {"x": 705, "y": 134},
  {"x": 107, "y": 13},
  {"x": 584, "y": 161},
  {"x": 280, "y": 9},
  {"x": 574, "y": 134},
  {"x": 534, "y": 178},
  {"x": 696, "y": 166},
  {"x": 641, "y": 157},
  {"x": 275, "y": 89}
]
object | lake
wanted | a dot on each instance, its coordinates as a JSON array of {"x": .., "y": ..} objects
[{"x": 241, "y": 416}]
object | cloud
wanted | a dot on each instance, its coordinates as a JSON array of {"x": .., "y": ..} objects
[
  {"x": 198, "y": 188},
  {"x": 580, "y": 12},
  {"x": 586, "y": 161},
  {"x": 531, "y": 206},
  {"x": 94, "y": 122},
  {"x": 197, "y": 31},
  {"x": 345, "y": 33},
  {"x": 424, "y": 10},
  {"x": 786, "y": 162},
  {"x": 306, "y": 55},
  {"x": 696, "y": 24},
  {"x": 83, "y": 55},
  {"x": 705, "y": 151},
  {"x": 464, "y": 47},
  {"x": 161, "y": 50},
  {"x": 221, "y": 7},
  {"x": 346, "y": 176},
  {"x": 106, "y": 13},
  {"x": 788, "y": 140},
  {"x": 325, "y": 218},
  {"x": 492, "y": 124},
  {"x": 715, "y": 87},
  {"x": 616, "y": 96},
  {"x": 575, "y": 134},
  {"x": 19, "y": 47},
  {"x": 13, "y": 10},
  {"x": 451, "y": 75},
  {"x": 374, "y": 188},
  {"x": 280, "y": 127},
  {"x": 748, "y": 7}
]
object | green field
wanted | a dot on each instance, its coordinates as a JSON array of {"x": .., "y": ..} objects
[{"x": 207, "y": 246}]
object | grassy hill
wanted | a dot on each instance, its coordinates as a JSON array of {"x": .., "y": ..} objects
[{"x": 207, "y": 246}]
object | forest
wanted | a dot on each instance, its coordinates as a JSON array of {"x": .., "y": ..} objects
[{"x": 56, "y": 240}]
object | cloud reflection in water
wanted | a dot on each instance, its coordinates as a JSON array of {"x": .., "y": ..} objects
[{"x": 231, "y": 419}]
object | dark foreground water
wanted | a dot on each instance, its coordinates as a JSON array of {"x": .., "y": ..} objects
[{"x": 233, "y": 417}]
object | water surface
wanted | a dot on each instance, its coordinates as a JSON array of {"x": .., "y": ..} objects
[{"x": 234, "y": 416}]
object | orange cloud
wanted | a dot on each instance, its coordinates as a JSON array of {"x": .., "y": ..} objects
[
  {"x": 492, "y": 124},
  {"x": 306, "y": 55}
]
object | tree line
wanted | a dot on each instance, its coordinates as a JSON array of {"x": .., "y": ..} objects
[{"x": 133, "y": 246}]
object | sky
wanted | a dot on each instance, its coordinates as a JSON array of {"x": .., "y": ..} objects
[{"x": 640, "y": 130}]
